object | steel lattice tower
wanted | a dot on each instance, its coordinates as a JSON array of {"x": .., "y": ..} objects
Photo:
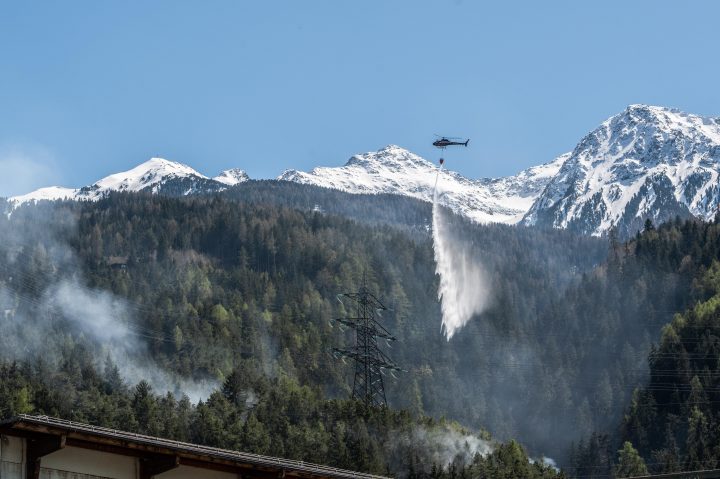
[{"x": 368, "y": 385}]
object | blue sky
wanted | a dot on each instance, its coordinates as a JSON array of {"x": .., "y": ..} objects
[{"x": 88, "y": 88}]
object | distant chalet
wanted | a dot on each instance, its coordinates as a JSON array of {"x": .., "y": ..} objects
[{"x": 44, "y": 447}]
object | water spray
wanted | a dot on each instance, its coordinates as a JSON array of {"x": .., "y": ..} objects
[{"x": 463, "y": 291}]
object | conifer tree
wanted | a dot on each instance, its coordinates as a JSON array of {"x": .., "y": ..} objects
[{"x": 630, "y": 464}]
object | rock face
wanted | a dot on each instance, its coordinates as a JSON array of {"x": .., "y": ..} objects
[
  {"x": 646, "y": 162},
  {"x": 395, "y": 170}
]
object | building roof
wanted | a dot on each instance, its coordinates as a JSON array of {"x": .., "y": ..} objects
[
  {"x": 704, "y": 474},
  {"x": 127, "y": 443}
]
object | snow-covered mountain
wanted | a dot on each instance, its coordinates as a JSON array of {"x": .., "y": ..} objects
[
  {"x": 395, "y": 170},
  {"x": 156, "y": 175},
  {"x": 646, "y": 162},
  {"x": 232, "y": 177}
]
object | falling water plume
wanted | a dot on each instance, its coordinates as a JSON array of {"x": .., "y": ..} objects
[{"x": 463, "y": 291}]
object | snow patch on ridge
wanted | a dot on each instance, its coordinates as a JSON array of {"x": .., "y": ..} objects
[
  {"x": 232, "y": 177},
  {"x": 395, "y": 170},
  {"x": 50, "y": 193}
]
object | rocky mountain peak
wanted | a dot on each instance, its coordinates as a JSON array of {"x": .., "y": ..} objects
[
  {"x": 645, "y": 162},
  {"x": 232, "y": 177}
]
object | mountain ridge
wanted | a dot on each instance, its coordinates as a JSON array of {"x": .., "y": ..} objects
[
  {"x": 396, "y": 170},
  {"x": 156, "y": 175},
  {"x": 645, "y": 162}
]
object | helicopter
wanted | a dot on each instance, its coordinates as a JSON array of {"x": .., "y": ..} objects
[{"x": 446, "y": 141}]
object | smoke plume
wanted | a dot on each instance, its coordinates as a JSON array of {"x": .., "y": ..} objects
[
  {"x": 41, "y": 314},
  {"x": 442, "y": 445}
]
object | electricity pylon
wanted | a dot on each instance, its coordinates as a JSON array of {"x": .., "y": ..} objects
[{"x": 370, "y": 362}]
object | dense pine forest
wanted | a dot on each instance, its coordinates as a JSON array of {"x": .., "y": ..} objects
[
  {"x": 669, "y": 422},
  {"x": 673, "y": 420},
  {"x": 112, "y": 310}
]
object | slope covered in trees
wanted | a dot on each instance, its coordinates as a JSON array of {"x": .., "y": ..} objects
[
  {"x": 200, "y": 287},
  {"x": 662, "y": 411},
  {"x": 674, "y": 420},
  {"x": 276, "y": 417}
]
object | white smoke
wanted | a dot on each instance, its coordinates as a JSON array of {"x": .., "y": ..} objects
[
  {"x": 105, "y": 318},
  {"x": 546, "y": 461},
  {"x": 61, "y": 309},
  {"x": 442, "y": 445},
  {"x": 463, "y": 291},
  {"x": 451, "y": 445}
]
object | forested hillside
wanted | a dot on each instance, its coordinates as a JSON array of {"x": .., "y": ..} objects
[
  {"x": 374, "y": 209},
  {"x": 663, "y": 416},
  {"x": 673, "y": 421},
  {"x": 200, "y": 288},
  {"x": 253, "y": 413}
]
